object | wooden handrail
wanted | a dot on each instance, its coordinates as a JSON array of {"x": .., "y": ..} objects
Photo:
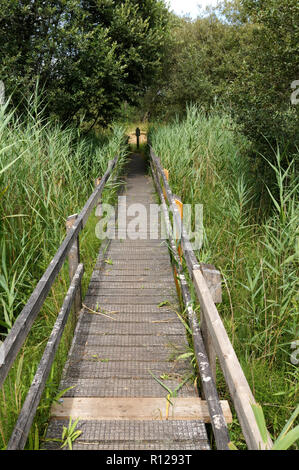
[
  {"x": 240, "y": 391},
  {"x": 22, "y": 427},
  {"x": 208, "y": 384},
  {"x": 19, "y": 332}
]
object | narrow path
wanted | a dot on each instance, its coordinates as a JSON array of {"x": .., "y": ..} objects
[{"x": 120, "y": 404}]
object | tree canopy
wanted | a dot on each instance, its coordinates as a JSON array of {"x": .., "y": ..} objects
[
  {"x": 243, "y": 57},
  {"x": 88, "y": 55}
]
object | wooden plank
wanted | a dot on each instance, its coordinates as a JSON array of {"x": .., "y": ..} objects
[
  {"x": 238, "y": 386},
  {"x": 131, "y": 408},
  {"x": 23, "y": 323},
  {"x": 26, "y": 416},
  {"x": 206, "y": 373},
  {"x": 208, "y": 342}
]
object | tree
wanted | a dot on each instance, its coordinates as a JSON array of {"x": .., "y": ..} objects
[
  {"x": 268, "y": 64},
  {"x": 89, "y": 55}
]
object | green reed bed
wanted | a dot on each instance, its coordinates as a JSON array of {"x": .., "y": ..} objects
[
  {"x": 46, "y": 174},
  {"x": 256, "y": 250}
]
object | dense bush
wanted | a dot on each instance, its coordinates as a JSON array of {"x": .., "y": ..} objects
[{"x": 241, "y": 57}]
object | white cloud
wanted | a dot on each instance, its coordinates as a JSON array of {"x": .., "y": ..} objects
[{"x": 181, "y": 7}]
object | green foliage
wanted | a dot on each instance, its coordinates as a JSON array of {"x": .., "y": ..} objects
[
  {"x": 200, "y": 67},
  {"x": 48, "y": 173},
  {"x": 70, "y": 434},
  {"x": 286, "y": 438},
  {"x": 267, "y": 66},
  {"x": 88, "y": 56},
  {"x": 241, "y": 56}
]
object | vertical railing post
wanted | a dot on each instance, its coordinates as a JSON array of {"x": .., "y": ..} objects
[
  {"x": 179, "y": 205},
  {"x": 166, "y": 173},
  {"x": 74, "y": 260},
  {"x": 213, "y": 280}
]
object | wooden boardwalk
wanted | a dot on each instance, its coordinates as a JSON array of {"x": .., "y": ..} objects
[{"x": 120, "y": 404}]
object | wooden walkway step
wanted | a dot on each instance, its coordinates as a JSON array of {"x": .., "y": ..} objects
[{"x": 114, "y": 356}]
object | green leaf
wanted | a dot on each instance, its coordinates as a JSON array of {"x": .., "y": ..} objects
[
  {"x": 161, "y": 383},
  {"x": 185, "y": 355},
  {"x": 260, "y": 419},
  {"x": 60, "y": 394},
  {"x": 288, "y": 425},
  {"x": 162, "y": 304},
  {"x": 232, "y": 446},
  {"x": 287, "y": 440}
]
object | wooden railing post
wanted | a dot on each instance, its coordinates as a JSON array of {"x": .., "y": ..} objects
[
  {"x": 213, "y": 280},
  {"x": 166, "y": 173},
  {"x": 74, "y": 260}
]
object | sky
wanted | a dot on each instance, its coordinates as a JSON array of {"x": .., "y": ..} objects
[{"x": 189, "y": 6}]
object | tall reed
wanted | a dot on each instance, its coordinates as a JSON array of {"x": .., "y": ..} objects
[{"x": 47, "y": 173}]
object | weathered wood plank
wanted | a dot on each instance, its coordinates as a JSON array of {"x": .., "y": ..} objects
[
  {"x": 26, "y": 416},
  {"x": 136, "y": 408},
  {"x": 213, "y": 280}
]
